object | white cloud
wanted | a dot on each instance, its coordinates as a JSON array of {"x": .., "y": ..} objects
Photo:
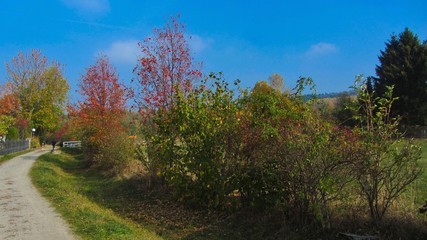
[
  {"x": 198, "y": 44},
  {"x": 123, "y": 51},
  {"x": 320, "y": 49},
  {"x": 89, "y": 6},
  {"x": 128, "y": 51}
]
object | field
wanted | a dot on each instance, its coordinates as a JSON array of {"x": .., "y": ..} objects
[{"x": 100, "y": 207}]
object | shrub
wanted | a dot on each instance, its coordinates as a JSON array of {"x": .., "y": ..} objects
[
  {"x": 12, "y": 134},
  {"x": 194, "y": 143},
  {"x": 266, "y": 147},
  {"x": 35, "y": 142},
  {"x": 385, "y": 166},
  {"x": 292, "y": 160},
  {"x": 117, "y": 153}
]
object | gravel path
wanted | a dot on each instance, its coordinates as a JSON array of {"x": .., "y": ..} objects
[{"x": 24, "y": 214}]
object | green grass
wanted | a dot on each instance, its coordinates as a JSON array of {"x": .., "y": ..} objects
[
  {"x": 6, "y": 157},
  {"x": 416, "y": 194},
  {"x": 60, "y": 179},
  {"x": 101, "y": 207},
  {"x": 421, "y": 183}
]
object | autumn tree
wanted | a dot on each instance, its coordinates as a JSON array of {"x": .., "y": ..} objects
[
  {"x": 98, "y": 117},
  {"x": 276, "y": 81},
  {"x": 40, "y": 89},
  {"x": 9, "y": 107},
  {"x": 291, "y": 158},
  {"x": 47, "y": 118},
  {"x": 8, "y": 101},
  {"x": 165, "y": 66},
  {"x": 403, "y": 64},
  {"x": 5, "y": 122}
]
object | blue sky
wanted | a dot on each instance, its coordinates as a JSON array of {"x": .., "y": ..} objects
[{"x": 330, "y": 41}]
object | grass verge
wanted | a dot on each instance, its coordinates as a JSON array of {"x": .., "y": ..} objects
[
  {"x": 101, "y": 207},
  {"x": 421, "y": 182},
  {"x": 60, "y": 178},
  {"x": 6, "y": 157}
]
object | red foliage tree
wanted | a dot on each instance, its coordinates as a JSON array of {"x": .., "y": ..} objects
[
  {"x": 104, "y": 97},
  {"x": 8, "y": 101},
  {"x": 98, "y": 117},
  {"x": 9, "y": 107},
  {"x": 165, "y": 66}
]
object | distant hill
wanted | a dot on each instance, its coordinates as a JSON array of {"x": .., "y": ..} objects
[
  {"x": 331, "y": 95},
  {"x": 336, "y": 94}
]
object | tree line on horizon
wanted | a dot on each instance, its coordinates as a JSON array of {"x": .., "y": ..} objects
[
  {"x": 35, "y": 92},
  {"x": 215, "y": 145}
]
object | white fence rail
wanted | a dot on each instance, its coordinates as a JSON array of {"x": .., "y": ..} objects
[{"x": 72, "y": 144}]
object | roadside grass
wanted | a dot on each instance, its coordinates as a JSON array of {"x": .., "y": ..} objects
[
  {"x": 100, "y": 207},
  {"x": 6, "y": 157},
  {"x": 60, "y": 178},
  {"x": 421, "y": 183}
]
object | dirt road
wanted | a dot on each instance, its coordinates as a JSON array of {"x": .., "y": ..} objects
[{"x": 24, "y": 214}]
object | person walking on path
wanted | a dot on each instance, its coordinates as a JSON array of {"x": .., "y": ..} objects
[{"x": 53, "y": 145}]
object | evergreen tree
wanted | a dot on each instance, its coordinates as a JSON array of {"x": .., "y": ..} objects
[{"x": 403, "y": 64}]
